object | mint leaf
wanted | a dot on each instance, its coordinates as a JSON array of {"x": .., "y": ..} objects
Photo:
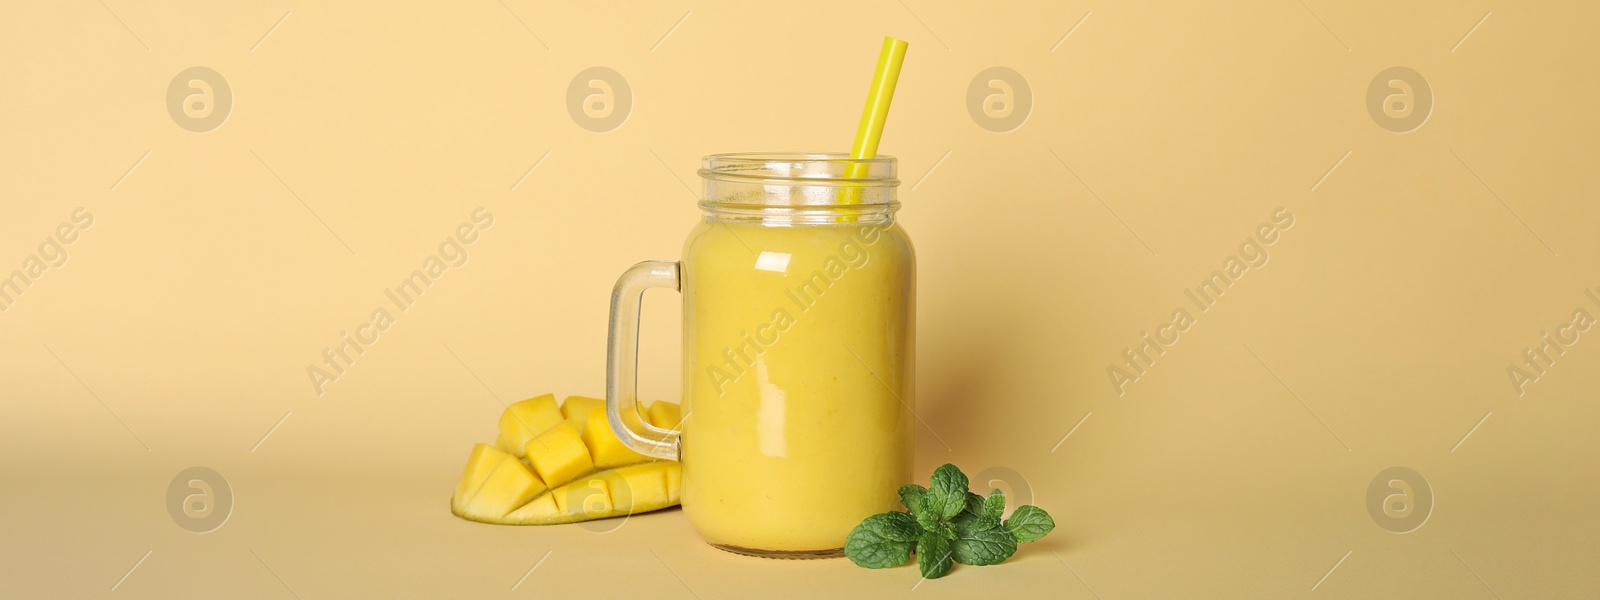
[
  {"x": 968, "y": 523},
  {"x": 911, "y": 496},
  {"x": 883, "y": 540},
  {"x": 974, "y": 505},
  {"x": 1029, "y": 523},
  {"x": 933, "y": 555},
  {"x": 977, "y": 515},
  {"x": 994, "y": 505},
  {"x": 897, "y": 526},
  {"x": 987, "y": 547},
  {"x": 928, "y": 516},
  {"x": 947, "y": 492}
]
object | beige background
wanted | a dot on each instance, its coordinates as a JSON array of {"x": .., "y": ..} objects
[{"x": 219, "y": 265}]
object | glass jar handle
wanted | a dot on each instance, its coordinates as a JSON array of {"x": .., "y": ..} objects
[{"x": 622, "y": 358}]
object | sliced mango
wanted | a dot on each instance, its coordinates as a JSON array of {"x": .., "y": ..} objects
[
  {"x": 558, "y": 455},
  {"x": 604, "y": 448},
  {"x": 523, "y": 420},
  {"x": 674, "y": 481},
  {"x": 584, "y": 499},
  {"x": 616, "y": 492},
  {"x": 576, "y": 410},
  {"x": 483, "y": 460},
  {"x": 510, "y": 486},
  {"x": 539, "y": 511},
  {"x": 638, "y": 486},
  {"x": 663, "y": 414},
  {"x": 561, "y": 464}
]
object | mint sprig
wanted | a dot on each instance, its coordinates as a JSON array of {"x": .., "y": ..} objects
[{"x": 947, "y": 524}]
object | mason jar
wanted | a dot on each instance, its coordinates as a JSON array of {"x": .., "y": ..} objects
[{"x": 799, "y": 304}]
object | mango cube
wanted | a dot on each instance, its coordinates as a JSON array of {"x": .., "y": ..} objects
[
  {"x": 558, "y": 455},
  {"x": 604, "y": 448},
  {"x": 483, "y": 460},
  {"x": 523, "y": 420},
  {"x": 674, "y": 482},
  {"x": 588, "y": 498},
  {"x": 511, "y": 485},
  {"x": 642, "y": 486},
  {"x": 663, "y": 414},
  {"x": 576, "y": 410}
]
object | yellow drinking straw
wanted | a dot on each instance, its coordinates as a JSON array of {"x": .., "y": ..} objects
[{"x": 875, "y": 113}]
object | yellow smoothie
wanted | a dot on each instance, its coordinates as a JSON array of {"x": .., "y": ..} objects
[{"x": 798, "y": 345}]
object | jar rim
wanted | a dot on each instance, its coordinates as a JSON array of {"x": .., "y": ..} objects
[{"x": 805, "y": 168}]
